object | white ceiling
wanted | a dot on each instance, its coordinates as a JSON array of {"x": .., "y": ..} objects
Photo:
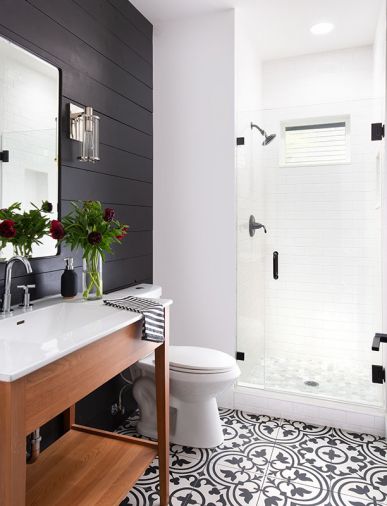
[{"x": 281, "y": 27}]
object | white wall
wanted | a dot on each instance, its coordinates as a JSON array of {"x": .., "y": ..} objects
[
  {"x": 194, "y": 177},
  {"x": 379, "y": 60},
  {"x": 248, "y": 70},
  {"x": 318, "y": 78}
]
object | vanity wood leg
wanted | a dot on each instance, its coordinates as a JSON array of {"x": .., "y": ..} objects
[
  {"x": 69, "y": 418},
  {"x": 12, "y": 444},
  {"x": 162, "y": 400}
]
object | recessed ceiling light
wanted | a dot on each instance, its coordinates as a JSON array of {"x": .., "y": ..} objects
[{"x": 322, "y": 28}]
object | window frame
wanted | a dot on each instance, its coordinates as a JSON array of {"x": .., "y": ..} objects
[{"x": 323, "y": 120}]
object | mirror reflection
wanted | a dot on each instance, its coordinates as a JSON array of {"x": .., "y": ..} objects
[{"x": 29, "y": 106}]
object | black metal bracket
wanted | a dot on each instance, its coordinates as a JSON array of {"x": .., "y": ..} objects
[
  {"x": 377, "y": 131},
  {"x": 240, "y": 141},
  {"x": 4, "y": 156},
  {"x": 378, "y": 374},
  {"x": 240, "y": 355},
  {"x": 379, "y": 338}
]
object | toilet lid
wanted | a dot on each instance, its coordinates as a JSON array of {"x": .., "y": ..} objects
[{"x": 196, "y": 359}]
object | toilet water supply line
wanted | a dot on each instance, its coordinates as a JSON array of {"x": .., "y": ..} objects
[{"x": 121, "y": 408}]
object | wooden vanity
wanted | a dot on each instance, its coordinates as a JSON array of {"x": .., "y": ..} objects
[{"x": 85, "y": 467}]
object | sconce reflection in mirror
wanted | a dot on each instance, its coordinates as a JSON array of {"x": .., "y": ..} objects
[{"x": 84, "y": 128}]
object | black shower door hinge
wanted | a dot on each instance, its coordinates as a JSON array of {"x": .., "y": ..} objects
[
  {"x": 377, "y": 131},
  {"x": 378, "y": 374},
  {"x": 240, "y": 141},
  {"x": 4, "y": 156},
  {"x": 240, "y": 355}
]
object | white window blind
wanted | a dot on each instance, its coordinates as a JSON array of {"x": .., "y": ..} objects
[{"x": 316, "y": 144}]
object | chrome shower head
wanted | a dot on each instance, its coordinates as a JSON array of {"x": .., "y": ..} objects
[{"x": 268, "y": 138}]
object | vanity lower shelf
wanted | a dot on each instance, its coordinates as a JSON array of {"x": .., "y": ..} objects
[{"x": 88, "y": 466}]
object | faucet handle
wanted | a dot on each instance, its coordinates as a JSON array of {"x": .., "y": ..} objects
[
  {"x": 26, "y": 299},
  {"x": 26, "y": 288}
]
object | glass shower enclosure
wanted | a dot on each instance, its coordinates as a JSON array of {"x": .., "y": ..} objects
[{"x": 310, "y": 289}]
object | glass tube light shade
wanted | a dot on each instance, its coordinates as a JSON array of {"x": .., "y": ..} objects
[{"x": 88, "y": 129}]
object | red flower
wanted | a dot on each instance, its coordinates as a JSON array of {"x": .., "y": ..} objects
[
  {"x": 7, "y": 229},
  {"x": 123, "y": 233},
  {"x": 47, "y": 207},
  {"x": 109, "y": 214},
  {"x": 94, "y": 238},
  {"x": 57, "y": 231}
]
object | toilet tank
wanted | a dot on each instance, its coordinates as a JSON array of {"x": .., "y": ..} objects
[{"x": 142, "y": 290}]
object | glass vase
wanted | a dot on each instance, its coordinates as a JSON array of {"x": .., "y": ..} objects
[{"x": 92, "y": 284}]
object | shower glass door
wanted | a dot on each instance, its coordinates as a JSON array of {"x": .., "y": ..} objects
[{"x": 317, "y": 189}]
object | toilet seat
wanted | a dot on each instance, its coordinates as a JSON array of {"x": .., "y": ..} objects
[{"x": 196, "y": 360}]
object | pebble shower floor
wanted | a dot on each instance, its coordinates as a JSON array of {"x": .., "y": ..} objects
[
  {"x": 266, "y": 461},
  {"x": 334, "y": 381}
]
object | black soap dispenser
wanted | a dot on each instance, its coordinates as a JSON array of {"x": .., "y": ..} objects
[{"x": 69, "y": 280}]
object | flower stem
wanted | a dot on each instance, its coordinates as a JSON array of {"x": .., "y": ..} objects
[{"x": 93, "y": 275}]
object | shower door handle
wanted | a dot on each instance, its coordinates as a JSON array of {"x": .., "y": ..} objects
[{"x": 275, "y": 264}]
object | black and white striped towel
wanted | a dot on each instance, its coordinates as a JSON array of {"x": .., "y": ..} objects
[{"x": 153, "y": 328}]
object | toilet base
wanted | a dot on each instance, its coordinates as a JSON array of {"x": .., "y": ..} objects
[{"x": 197, "y": 424}]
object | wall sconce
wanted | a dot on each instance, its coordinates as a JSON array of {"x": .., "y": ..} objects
[{"x": 84, "y": 128}]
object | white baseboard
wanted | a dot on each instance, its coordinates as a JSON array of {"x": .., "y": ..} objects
[{"x": 353, "y": 417}]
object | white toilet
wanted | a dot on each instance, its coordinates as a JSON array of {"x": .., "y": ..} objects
[{"x": 197, "y": 376}]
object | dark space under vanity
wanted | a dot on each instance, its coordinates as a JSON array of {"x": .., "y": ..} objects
[{"x": 104, "y": 51}]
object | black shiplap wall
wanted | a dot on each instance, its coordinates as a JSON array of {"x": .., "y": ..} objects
[{"x": 104, "y": 51}]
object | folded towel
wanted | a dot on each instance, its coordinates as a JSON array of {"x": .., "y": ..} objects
[{"x": 153, "y": 328}]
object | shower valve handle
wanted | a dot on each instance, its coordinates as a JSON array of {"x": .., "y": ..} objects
[
  {"x": 379, "y": 338},
  {"x": 253, "y": 226}
]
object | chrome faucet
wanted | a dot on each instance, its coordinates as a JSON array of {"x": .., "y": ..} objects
[{"x": 6, "y": 309}]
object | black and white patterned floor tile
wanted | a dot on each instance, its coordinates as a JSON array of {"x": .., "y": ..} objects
[{"x": 267, "y": 461}]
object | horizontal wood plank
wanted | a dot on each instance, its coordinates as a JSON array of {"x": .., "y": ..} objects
[
  {"x": 126, "y": 272},
  {"x": 133, "y": 16},
  {"x": 138, "y": 218},
  {"x": 114, "y": 22},
  {"x": 70, "y": 16},
  {"x": 114, "y": 162},
  {"x": 81, "y": 184},
  {"x": 108, "y": 101},
  {"x": 115, "y": 435},
  {"x": 86, "y": 469}
]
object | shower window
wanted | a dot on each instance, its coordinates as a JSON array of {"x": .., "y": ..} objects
[{"x": 322, "y": 141}]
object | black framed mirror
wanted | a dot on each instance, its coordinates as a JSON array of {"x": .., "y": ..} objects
[{"x": 29, "y": 136}]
